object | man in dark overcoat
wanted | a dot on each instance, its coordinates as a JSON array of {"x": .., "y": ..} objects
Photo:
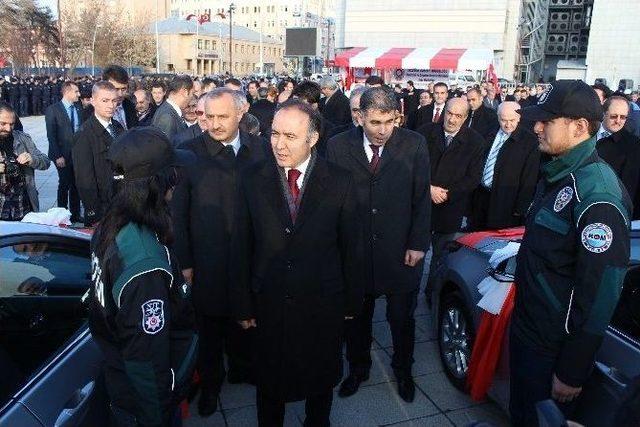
[
  {"x": 202, "y": 206},
  {"x": 390, "y": 166},
  {"x": 295, "y": 274}
]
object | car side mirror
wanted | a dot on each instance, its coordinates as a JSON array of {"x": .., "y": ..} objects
[{"x": 500, "y": 275}]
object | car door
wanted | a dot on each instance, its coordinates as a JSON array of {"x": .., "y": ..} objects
[
  {"x": 618, "y": 360},
  {"x": 49, "y": 362}
]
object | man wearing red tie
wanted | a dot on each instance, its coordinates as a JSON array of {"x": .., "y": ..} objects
[
  {"x": 295, "y": 272},
  {"x": 390, "y": 166}
]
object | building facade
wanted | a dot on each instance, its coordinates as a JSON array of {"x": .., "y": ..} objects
[{"x": 186, "y": 47}]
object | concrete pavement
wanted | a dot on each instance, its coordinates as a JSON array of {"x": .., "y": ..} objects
[{"x": 437, "y": 402}]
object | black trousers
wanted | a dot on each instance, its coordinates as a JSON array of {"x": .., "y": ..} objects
[
  {"x": 530, "y": 382},
  {"x": 317, "y": 410},
  {"x": 438, "y": 244},
  {"x": 220, "y": 335},
  {"x": 400, "y": 310},
  {"x": 480, "y": 208},
  {"x": 68, "y": 196}
]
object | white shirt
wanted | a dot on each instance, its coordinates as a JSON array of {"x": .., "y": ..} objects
[
  {"x": 453, "y": 135},
  {"x": 235, "y": 143},
  {"x": 435, "y": 108},
  {"x": 367, "y": 149},
  {"x": 103, "y": 123},
  {"x": 302, "y": 167},
  {"x": 175, "y": 107}
]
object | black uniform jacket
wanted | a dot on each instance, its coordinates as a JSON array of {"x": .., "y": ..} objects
[
  {"x": 457, "y": 168},
  {"x": 202, "y": 209},
  {"x": 298, "y": 280},
  {"x": 514, "y": 179},
  {"x": 94, "y": 176},
  {"x": 59, "y": 131},
  {"x": 484, "y": 120},
  {"x": 621, "y": 151},
  {"x": 393, "y": 205},
  {"x": 142, "y": 319},
  {"x": 572, "y": 261},
  {"x": 337, "y": 109}
]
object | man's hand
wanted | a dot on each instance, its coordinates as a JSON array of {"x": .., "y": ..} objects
[
  {"x": 24, "y": 159},
  {"x": 246, "y": 324},
  {"x": 411, "y": 258},
  {"x": 188, "y": 275},
  {"x": 562, "y": 392},
  {"x": 60, "y": 162},
  {"x": 438, "y": 194}
]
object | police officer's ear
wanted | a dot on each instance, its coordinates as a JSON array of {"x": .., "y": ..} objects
[{"x": 583, "y": 128}]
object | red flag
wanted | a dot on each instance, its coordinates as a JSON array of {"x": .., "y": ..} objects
[
  {"x": 204, "y": 18},
  {"x": 493, "y": 78}
]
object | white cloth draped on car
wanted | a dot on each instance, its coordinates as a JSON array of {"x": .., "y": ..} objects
[{"x": 494, "y": 292}]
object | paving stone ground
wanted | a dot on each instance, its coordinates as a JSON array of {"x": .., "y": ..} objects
[{"x": 437, "y": 402}]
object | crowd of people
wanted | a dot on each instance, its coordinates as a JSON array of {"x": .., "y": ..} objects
[{"x": 283, "y": 211}]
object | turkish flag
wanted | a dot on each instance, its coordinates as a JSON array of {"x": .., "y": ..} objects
[{"x": 493, "y": 78}]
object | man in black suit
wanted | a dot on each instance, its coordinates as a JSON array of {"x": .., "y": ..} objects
[
  {"x": 263, "y": 110},
  {"x": 125, "y": 112},
  {"x": 168, "y": 117},
  {"x": 390, "y": 166},
  {"x": 144, "y": 107},
  {"x": 194, "y": 131},
  {"x": 203, "y": 210},
  {"x": 354, "y": 105},
  {"x": 94, "y": 177},
  {"x": 309, "y": 92},
  {"x": 336, "y": 104},
  {"x": 433, "y": 113},
  {"x": 491, "y": 100},
  {"x": 158, "y": 93},
  {"x": 296, "y": 273},
  {"x": 456, "y": 154},
  {"x": 482, "y": 119},
  {"x": 619, "y": 147},
  {"x": 62, "y": 120},
  {"x": 509, "y": 175}
]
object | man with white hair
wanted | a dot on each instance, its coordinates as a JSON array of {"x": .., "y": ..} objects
[
  {"x": 335, "y": 105},
  {"x": 510, "y": 174}
]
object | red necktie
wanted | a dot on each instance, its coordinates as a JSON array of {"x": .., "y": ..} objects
[
  {"x": 375, "y": 159},
  {"x": 292, "y": 179},
  {"x": 436, "y": 118}
]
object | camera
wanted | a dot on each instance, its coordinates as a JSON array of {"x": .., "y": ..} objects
[{"x": 11, "y": 168}]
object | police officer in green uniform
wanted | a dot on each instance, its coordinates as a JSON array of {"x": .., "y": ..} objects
[
  {"x": 573, "y": 256},
  {"x": 141, "y": 312}
]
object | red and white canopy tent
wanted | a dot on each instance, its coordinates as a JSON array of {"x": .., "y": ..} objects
[{"x": 423, "y": 58}]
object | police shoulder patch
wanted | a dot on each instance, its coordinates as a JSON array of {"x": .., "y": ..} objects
[
  {"x": 597, "y": 237},
  {"x": 153, "y": 316},
  {"x": 562, "y": 199}
]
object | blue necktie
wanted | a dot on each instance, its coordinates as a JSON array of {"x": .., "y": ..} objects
[
  {"x": 72, "y": 118},
  {"x": 487, "y": 176}
]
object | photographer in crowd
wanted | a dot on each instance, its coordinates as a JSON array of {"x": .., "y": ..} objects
[{"x": 18, "y": 159}]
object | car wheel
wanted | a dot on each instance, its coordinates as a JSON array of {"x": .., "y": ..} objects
[{"x": 455, "y": 339}]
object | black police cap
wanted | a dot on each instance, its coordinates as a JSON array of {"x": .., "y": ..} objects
[
  {"x": 143, "y": 152},
  {"x": 565, "y": 98}
]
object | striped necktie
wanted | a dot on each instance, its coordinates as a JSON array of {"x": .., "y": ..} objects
[{"x": 487, "y": 176}]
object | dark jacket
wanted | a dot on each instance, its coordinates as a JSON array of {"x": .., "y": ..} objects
[
  {"x": 423, "y": 116},
  {"x": 94, "y": 176},
  {"x": 22, "y": 143},
  {"x": 141, "y": 317},
  {"x": 393, "y": 205},
  {"x": 492, "y": 104},
  {"x": 167, "y": 119},
  {"x": 621, "y": 151},
  {"x": 147, "y": 119},
  {"x": 263, "y": 110},
  {"x": 187, "y": 135},
  {"x": 572, "y": 261},
  {"x": 515, "y": 175},
  {"x": 203, "y": 205},
  {"x": 458, "y": 169},
  {"x": 337, "y": 110},
  {"x": 484, "y": 121},
  {"x": 298, "y": 280},
  {"x": 59, "y": 131}
]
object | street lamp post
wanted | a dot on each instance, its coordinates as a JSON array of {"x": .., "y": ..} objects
[
  {"x": 93, "y": 50},
  {"x": 232, "y": 7}
]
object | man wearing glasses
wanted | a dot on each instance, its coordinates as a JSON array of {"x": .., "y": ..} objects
[{"x": 619, "y": 147}]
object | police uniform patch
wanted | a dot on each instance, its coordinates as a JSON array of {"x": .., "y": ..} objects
[
  {"x": 153, "y": 316},
  {"x": 597, "y": 237},
  {"x": 562, "y": 199}
]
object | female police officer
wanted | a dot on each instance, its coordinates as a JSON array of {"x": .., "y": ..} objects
[{"x": 141, "y": 315}]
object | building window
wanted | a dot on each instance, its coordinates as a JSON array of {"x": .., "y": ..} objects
[
  {"x": 207, "y": 44},
  {"x": 188, "y": 64},
  {"x": 236, "y": 48},
  {"x": 214, "y": 45},
  {"x": 242, "y": 48},
  {"x": 199, "y": 43}
]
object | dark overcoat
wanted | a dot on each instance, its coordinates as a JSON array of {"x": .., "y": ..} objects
[
  {"x": 202, "y": 210},
  {"x": 393, "y": 205},
  {"x": 298, "y": 280}
]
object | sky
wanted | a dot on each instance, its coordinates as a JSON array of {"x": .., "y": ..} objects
[{"x": 51, "y": 4}]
